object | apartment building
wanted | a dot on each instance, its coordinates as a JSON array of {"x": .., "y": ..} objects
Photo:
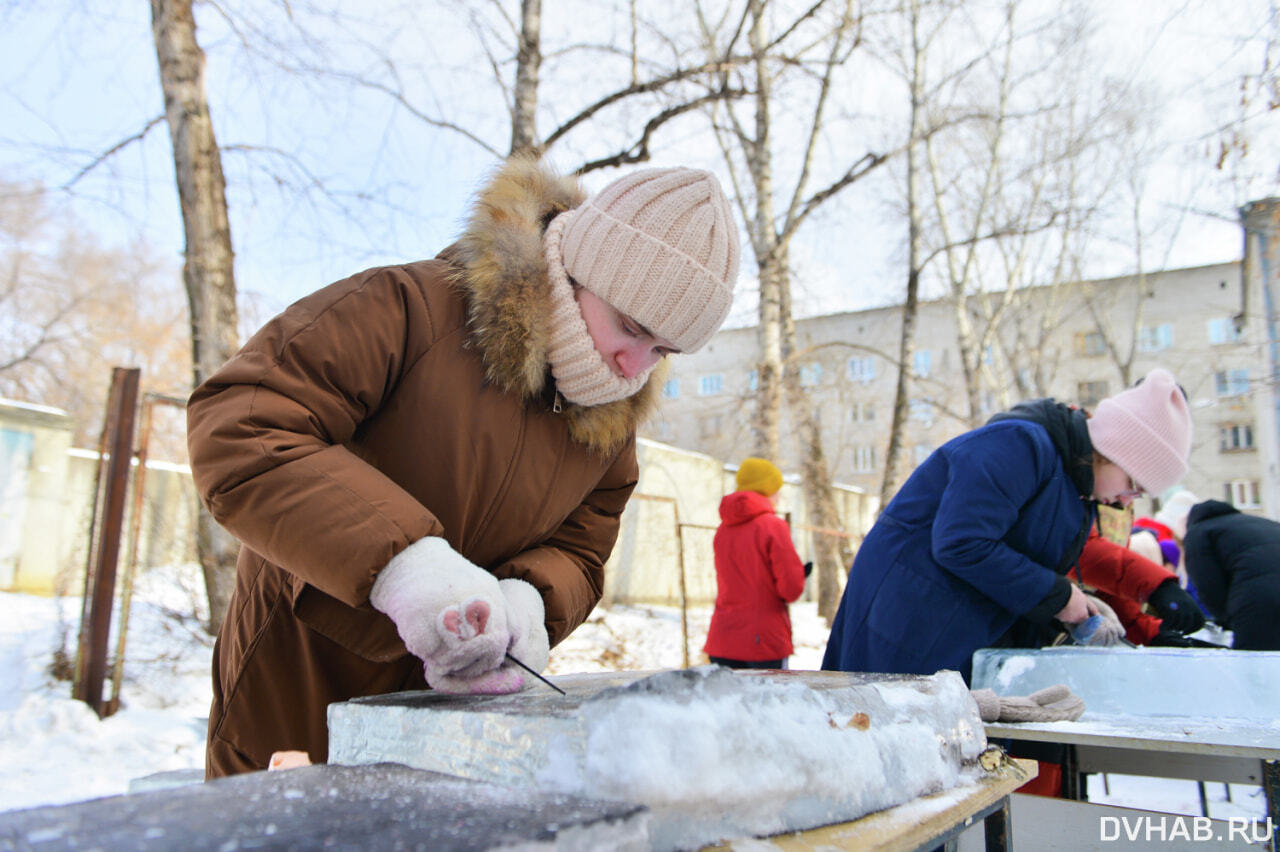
[{"x": 1072, "y": 342}]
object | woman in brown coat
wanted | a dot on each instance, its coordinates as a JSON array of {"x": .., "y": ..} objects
[{"x": 426, "y": 463}]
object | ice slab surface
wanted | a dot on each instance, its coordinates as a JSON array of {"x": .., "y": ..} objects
[
  {"x": 714, "y": 753},
  {"x": 1145, "y": 681}
]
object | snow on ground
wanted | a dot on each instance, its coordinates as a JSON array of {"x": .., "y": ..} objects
[{"x": 54, "y": 750}]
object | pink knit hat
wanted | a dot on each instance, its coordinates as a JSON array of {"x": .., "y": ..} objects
[
  {"x": 660, "y": 245},
  {"x": 1146, "y": 430}
]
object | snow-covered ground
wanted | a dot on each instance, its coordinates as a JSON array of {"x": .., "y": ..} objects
[{"x": 55, "y": 750}]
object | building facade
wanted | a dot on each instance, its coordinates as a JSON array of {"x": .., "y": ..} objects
[{"x": 1076, "y": 342}]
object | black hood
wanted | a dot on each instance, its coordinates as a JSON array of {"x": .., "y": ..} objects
[{"x": 1210, "y": 509}]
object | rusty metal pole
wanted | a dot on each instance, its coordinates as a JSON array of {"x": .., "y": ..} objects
[
  {"x": 95, "y": 635},
  {"x": 135, "y": 530},
  {"x": 149, "y": 402},
  {"x": 86, "y": 594}
]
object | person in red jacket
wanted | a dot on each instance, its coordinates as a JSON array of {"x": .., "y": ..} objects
[
  {"x": 1126, "y": 578},
  {"x": 758, "y": 573}
]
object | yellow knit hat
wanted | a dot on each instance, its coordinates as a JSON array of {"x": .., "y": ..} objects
[{"x": 760, "y": 476}]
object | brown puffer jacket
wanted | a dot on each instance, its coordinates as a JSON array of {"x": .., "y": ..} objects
[{"x": 403, "y": 402}]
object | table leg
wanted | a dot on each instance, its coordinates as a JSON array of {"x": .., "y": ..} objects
[
  {"x": 1271, "y": 786},
  {"x": 1073, "y": 782},
  {"x": 998, "y": 827}
]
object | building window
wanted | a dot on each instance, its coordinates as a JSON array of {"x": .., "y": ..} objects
[
  {"x": 1235, "y": 436},
  {"x": 664, "y": 430},
  {"x": 923, "y": 362},
  {"x": 862, "y": 369},
  {"x": 671, "y": 389},
  {"x": 1091, "y": 343},
  {"x": 1224, "y": 330},
  {"x": 1155, "y": 338},
  {"x": 710, "y": 385},
  {"x": 1231, "y": 382},
  {"x": 810, "y": 375},
  {"x": 863, "y": 412},
  {"x": 922, "y": 410},
  {"x": 753, "y": 381},
  {"x": 1091, "y": 393},
  {"x": 864, "y": 459},
  {"x": 1244, "y": 493},
  {"x": 710, "y": 426}
]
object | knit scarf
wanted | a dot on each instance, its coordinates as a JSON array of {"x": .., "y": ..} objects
[{"x": 581, "y": 374}]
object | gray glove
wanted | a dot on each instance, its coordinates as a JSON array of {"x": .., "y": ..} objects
[
  {"x": 1100, "y": 631},
  {"x": 1055, "y": 703}
]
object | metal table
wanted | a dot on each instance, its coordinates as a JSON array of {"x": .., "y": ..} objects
[{"x": 1203, "y": 715}]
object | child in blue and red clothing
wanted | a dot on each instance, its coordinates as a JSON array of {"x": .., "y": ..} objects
[{"x": 1127, "y": 577}]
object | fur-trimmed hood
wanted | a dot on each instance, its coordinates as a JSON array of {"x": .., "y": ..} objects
[{"x": 503, "y": 274}]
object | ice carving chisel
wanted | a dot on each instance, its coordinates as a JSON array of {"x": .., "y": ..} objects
[{"x": 535, "y": 674}]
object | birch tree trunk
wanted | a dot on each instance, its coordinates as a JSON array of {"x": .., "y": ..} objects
[
  {"x": 208, "y": 265},
  {"x": 765, "y": 239},
  {"x": 831, "y": 551},
  {"x": 906, "y": 342},
  {"x": 778, "y": 375},
  {"x": 524, "y": 127}
]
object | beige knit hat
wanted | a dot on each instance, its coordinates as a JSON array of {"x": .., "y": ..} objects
[{"x": 660, "y": 245}]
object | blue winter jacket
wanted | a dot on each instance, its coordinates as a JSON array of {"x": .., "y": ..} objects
[{"x": 976, "y": 537}]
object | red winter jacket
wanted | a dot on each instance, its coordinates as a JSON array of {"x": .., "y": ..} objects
[
  {"x": 757, "y": 574},
  {"x": 1125, "y": 580}
]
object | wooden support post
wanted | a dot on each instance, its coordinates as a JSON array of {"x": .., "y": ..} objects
[{"x": 100, "y": 579}]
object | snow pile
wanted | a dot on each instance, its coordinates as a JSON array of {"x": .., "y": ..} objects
[{"x": 54, "y": 749}]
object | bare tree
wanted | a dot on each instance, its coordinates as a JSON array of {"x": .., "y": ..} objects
[
  {"x": 72, "y": 308},
  {"x": 817, "y": 44},
  {"x": 524, "y": 131},
  {"x": 208, "y": 269},
  {"x": 1008, "y": 148}
]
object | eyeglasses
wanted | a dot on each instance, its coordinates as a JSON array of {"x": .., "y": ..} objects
[{"x": 1134, "y": 490}]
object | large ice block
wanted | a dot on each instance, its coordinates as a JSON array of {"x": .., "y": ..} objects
[
  {"x": 1146, "y": 681},
  {"x": 713, "y": 753}
]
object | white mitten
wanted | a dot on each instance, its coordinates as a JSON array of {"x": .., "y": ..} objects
[
  {"x": 526, "y": 621},
  {"x": 451, "y": 614}
]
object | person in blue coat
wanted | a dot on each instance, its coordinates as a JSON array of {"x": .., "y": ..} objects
[{"x": 974, "y": 549}]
